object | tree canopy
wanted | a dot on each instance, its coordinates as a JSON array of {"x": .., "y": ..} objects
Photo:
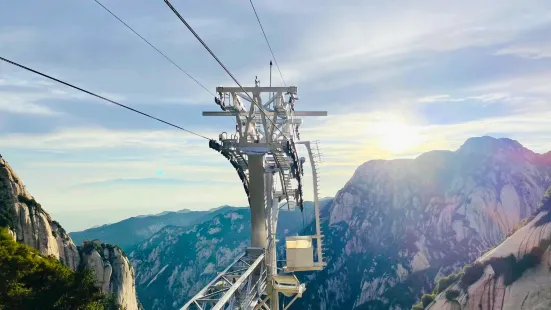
[{"x": 31, "y": 281}]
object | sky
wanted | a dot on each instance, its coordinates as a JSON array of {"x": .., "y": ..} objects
[{"x": 398, "y": 78}]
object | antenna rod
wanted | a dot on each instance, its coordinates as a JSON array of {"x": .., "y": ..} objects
[{"x": 270, "y": 73}]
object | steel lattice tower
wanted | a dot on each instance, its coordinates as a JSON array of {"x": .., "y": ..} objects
[{"x": 264, "y": 154}]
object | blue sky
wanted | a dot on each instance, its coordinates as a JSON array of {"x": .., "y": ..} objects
[{"x": 398, "y": 78}]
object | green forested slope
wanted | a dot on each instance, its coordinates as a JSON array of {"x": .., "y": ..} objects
[{"x": 31, "y": 281}]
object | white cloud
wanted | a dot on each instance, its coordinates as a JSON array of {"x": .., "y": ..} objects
[
  {"x": 98, "y": 154},
  {"x": 14, "y": 36},
  {"x": 530, "y": 83},
  {"x": 433, "y": 98},
  {"x": 496, "y": 97},
  {"x": 343, "y": 38},
  {"x": 98, "y": 138},
  {"x": 20, "y": 105},
  {"x": 24, "y": 96},
  {"x": 163, "y": 32},
  {"x": 58, "y": 92},
  {"x": 14, "y": 81},
  {"x": 95, "y": 155},
  {"x": 537, "y": 50}
]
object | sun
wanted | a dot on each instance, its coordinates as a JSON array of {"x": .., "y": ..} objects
[{"x": 396, "y": 136}]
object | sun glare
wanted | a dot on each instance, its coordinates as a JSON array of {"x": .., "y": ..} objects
[{"x": 395, "y": 136}]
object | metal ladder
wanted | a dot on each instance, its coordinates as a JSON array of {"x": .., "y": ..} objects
[
  {"x": 288, "y": 185},
  {"x": 280, "y": 160},
  {"x": 241, "y": 161}
]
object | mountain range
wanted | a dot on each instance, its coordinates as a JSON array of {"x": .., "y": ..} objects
[
  {"x": 134, "y": 230},
  {"x": 394, "y": 230},
  {"x": 177, "y": 262},
  {"x": 399, "y": 225},
  {"x": 400, "y": 234}
]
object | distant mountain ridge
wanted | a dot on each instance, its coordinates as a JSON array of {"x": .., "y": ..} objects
[{"x": 134, "y": 230}]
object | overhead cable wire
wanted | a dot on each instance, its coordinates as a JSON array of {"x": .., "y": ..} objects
[
  {"x": 229, "y": 73},
  {"x": 99, "y": 96},
  {"x": 155, "y": 48},
  {"x": 221, "y": 64},
  {"x": 267, "y": 42},
  {"x": 205, "y": 45}
]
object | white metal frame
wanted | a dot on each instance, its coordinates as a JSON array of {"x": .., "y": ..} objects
[{"x": 263, "y": 145}]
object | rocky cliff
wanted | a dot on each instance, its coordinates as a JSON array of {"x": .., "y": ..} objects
[
  {"x": 31, "y": 225},
  {"x": 114, "y": 272},
  {"x": 515, "y": 275},
  {"x": 399, "y": 225}
]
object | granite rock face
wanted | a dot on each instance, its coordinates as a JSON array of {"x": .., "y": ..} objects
[
  {"x": 30, "y": 224},
  {"x": 399, "y": 225},
  {"x": 114, "y": 272},
  {"x": 516, "y": 274}
]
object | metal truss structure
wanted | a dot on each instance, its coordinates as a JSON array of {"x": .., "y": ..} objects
[{"x": 263, "y": 151}]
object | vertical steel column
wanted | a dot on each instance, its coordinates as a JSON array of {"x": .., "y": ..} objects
[
  {"x": 272, "y": 224},
  {"x": 259, "y": 235},
  {"x": 271, "y": 253}
]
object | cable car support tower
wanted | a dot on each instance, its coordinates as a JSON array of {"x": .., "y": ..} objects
[{"x": 263, "y": 151}]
